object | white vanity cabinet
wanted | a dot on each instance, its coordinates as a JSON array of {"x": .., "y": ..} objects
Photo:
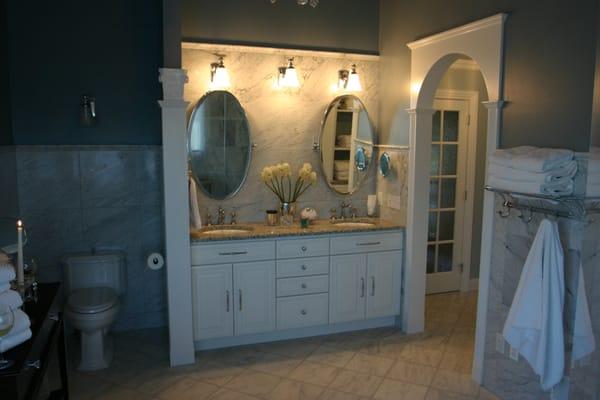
[
  {"x": 249, "y": 291},
  {"x": 367, "y": 282}
]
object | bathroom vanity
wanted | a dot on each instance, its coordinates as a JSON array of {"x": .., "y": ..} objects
[{"x": 256, "y": 283}]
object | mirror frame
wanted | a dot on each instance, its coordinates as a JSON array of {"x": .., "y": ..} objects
[
  {"x": 331, "y": 105},
  {"x": 190, "y": 170}
]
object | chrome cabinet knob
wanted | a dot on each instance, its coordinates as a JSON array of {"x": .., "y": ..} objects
[
  {"x": 303, "y": 312},
  {"x": 303, "y": 286},
  {"x": 303, "y": 267},
  {"x": 303, "y": 248}
]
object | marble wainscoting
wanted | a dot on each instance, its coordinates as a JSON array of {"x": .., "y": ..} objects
[
  {"x": 9, "y": 206},
  {"x": 94, "y": 199},
  {"x": 395, "y": 184},
  {"x": 283, "y": 123},
  {"x": 511, "y": 244}
]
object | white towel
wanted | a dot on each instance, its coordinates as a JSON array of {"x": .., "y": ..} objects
[
  {"x": 584, "y": 342},
  {"x": 21, "y": 323},
  {"x": 592, "y": 190},
  {"x": 4, "y": 287},
  {"x": 557, "y": 188},
  {"x": 12, "y": 299},
  {"x": 195, "y": 219},
  {"x": 535, "y": 321},
  {"x": 7, "y": 273},
  {"x": 4, "y": 258},
  {"x": 10, "y": 341},
  {"x": 568, "y": 170},
  {"x": 532, "y": 159}
]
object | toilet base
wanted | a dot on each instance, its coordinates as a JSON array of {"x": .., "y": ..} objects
[{"x": 96, "y": 351}]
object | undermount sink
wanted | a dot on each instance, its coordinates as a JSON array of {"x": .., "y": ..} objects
[
  {"x": 355, "y": 224},
  {"x": 230, "y": 230}
]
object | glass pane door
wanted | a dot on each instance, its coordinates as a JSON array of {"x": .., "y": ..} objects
[{"x": 443, "y": 191}]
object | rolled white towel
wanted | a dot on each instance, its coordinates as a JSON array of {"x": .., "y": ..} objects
[
  {"x": 561, "y": 188},
  {"x": 4, "y": 287},
  {"x": 4, "y": 258},
  {"x": 7, "y": 273},
  {"x": 9, "y": 341},
  {"x": 532, "y": 159},
  {"x": 12, "y": 299},
  {"x": 21, "y": 323},
  {"x": 568, "y": 170}
]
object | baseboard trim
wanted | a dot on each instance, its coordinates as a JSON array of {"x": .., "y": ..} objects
[{"x": 231, "y": 341}]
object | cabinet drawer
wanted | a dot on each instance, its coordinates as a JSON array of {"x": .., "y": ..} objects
[
  {"x": 235, "y": 251},
  {"x": 299, "y": 311},
  {"x": 302, "y": 285},
  {"x": 304, "y": 247},
  {"x": 380, "y": 241},
  {"x": 302, "y": 267}
]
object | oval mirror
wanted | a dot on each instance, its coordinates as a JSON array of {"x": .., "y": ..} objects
[
  {"x": 219, "y": 144},
  {"x": 346, "y": 144},
  {"x": 384, "y": 164}
]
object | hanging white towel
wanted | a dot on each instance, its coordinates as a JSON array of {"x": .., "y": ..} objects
[
  {"x": 195, "y": 219},
  {"x": 533, "y": 159},
  {"x": 535, "y": 325},
  {"x": 10, "y": 341},
  {"x": 7, "y": 273},
  {"x": 11, "y": 299},
  {"x": 4, "y": 287},
  {"x": 584, "y": 342},
  {"x": 556, "y": 188},
  {"x": 559, "y": 174}
]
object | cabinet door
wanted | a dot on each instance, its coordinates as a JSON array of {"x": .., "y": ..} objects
[
  {"x": 383, "y": 283},
  {"x": 347, "y": 288},
  {"x": 212, "y": 301},
  {"x": 254, "y": 295}
]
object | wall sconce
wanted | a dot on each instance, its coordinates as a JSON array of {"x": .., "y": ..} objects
[
  {"x": 288, "y": 76},
  {"x": 219, "y": 77},
  {"x": 349, "y": 80},
  {"x": 88, "y": 110}
]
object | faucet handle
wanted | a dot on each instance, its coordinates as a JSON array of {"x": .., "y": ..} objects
[
  {"x": 332, "y": 213},
  {"x": 233, "y": 216},
  {"x": 354, "y": 212},
  {"x": 208, "y": 219}
]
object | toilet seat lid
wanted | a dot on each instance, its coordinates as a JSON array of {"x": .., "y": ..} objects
[{"x": 92, "y": 300}]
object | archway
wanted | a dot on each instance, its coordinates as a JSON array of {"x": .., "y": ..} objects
[{"x": 481, "y": 41}]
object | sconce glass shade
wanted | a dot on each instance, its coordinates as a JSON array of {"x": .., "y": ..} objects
[
  {"x": 349, "y": 81},
  {"x": 219, "y": 77},
  {"x": 288, "y": 77}
]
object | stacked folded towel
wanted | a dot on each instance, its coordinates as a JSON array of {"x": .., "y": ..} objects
[
  {"x": 341, "y": 170},
  {"x": 593, "y": 178},
  {"x": 533, "y": 170},
  {"x": 20, "y": 331},
  {"x": 344, "y": 140}
]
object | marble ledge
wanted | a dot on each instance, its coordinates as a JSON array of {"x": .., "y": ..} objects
[{"x": 262, "y": 231}]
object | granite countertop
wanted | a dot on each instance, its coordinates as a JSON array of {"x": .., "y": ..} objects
[{"x": 262, "y": 231}]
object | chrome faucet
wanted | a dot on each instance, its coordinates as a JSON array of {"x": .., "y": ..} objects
[
  {"x": 233, "y": 218},
  {"x": 343, "y": 208},
  {"x": 221, "y": 216}
]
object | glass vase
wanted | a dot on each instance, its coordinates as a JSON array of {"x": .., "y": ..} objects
[{"x": 287, "y": 210}]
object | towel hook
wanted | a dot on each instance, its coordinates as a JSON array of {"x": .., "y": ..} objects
[
  {"x": 505, "y": 212},
  {"x": 527, "y": 219}
]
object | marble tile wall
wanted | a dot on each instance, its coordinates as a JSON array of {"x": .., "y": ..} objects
[
  {"x": 511, "y": 243},
  {"x": 395, "y": 184},
  {"x": 9, "y": 205},
  {"x": 283, "y": 124},
  {"x": 97, "y": 198}
]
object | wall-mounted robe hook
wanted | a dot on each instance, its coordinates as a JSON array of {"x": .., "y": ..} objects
[
  {"x": 505, "y": 212},
  {"x": 88, "y": 110},
  {"x": 527, "y": 218}
]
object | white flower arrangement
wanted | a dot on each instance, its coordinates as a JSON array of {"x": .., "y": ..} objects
[{"x": 278, "y": 178}]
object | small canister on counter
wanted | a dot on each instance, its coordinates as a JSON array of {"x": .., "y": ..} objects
[{"x": 272, "y": 217}]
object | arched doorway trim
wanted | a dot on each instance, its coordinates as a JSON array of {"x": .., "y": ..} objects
[{"x": 482, "y": 41}]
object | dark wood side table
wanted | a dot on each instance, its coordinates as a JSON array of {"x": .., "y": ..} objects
[{"x": 40, "y": 356}]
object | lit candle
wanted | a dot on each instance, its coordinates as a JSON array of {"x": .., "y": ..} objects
[{"x": 20, "y": 271}]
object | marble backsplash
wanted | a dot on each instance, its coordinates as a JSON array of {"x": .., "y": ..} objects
[
  {"x": 283, "y": 123},
  {"x": 97, "y": 198}
]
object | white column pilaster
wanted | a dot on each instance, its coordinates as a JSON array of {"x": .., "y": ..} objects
[
  {"x": 494, "y": 119},
  {"x": 413, "y": 315},
  {"x": 175, "y": 187}
]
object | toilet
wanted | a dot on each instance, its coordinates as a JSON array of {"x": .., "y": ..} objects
[{"x": 94, "y": 283}]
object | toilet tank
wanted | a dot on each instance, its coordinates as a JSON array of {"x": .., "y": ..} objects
[{"x": 94, "y": 270}]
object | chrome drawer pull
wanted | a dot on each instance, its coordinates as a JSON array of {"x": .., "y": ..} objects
[
  {"x": 54, "y": 317},
  {"x": 362, "y": 287},
  {"x": 33, "y": 364},
  {"x": 303, "y": 248},
  {"x": 240, "y": 299},
  {"x": 303, "y": 267},
  {"x": 227, "y": 299},
  {"x": 233, "y": 253},
  {"x": 303, "y": 312},
  {"x": 303, "y": 286},
  {"x": 368, "y": 244}
]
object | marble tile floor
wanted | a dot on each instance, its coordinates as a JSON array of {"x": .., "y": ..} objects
[{"x": 376, "y": 364}]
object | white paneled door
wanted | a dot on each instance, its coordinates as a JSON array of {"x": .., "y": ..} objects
[
  {"x": 254, "y": 297},
  {"x": 212, "y": 301},
  {"x": 447, "y": 195}
]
